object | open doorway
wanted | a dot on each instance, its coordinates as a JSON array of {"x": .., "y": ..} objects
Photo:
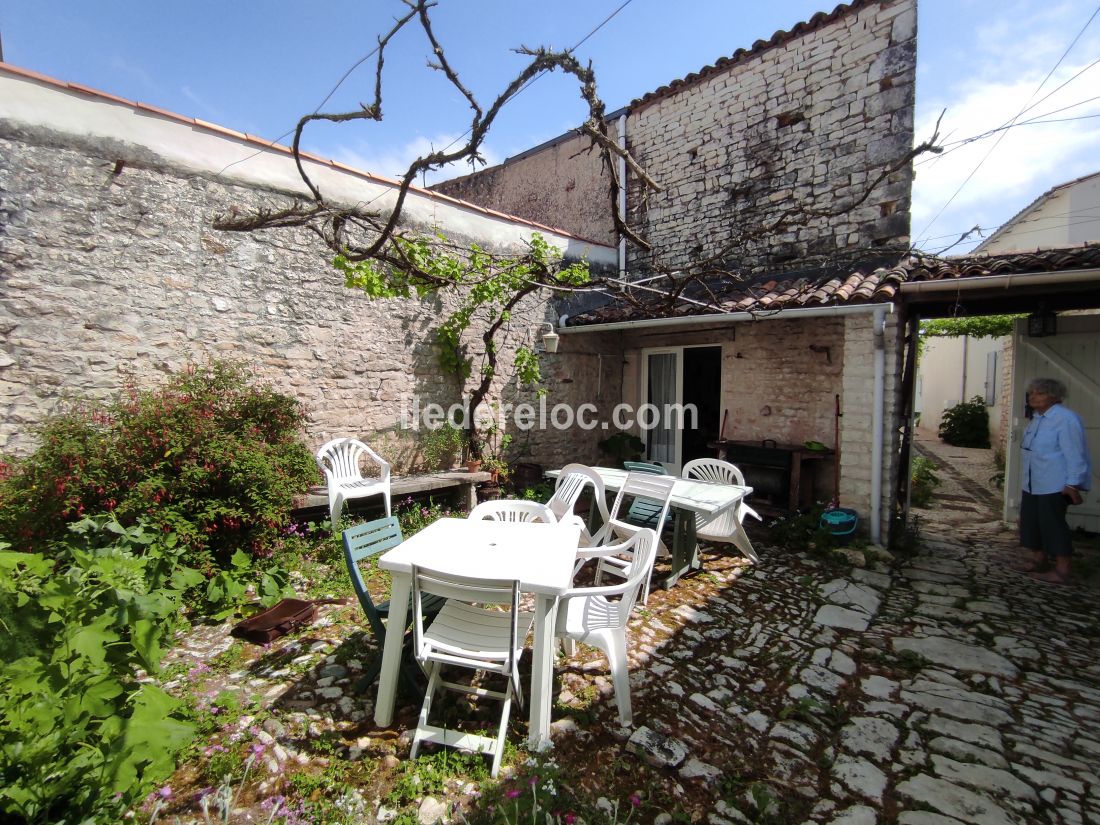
[
  {"x": 675, "y": 377},
  {"x": 702, "y": 386}
]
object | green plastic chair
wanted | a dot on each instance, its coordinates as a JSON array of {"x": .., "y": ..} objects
[
  {"x": 643, "y": 512},
  {"x": 360, "y": 543}
]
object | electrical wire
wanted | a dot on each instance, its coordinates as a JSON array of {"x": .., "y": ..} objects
[
  {"x": 1038, "y": 120},
  {"x": 1016, "y": 117},
  {"x": 527, "y": 85}
]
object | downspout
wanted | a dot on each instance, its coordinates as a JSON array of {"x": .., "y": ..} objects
[
  {"x": 965, "y": 358},
  {"x": 622, "y": 195},
  {"x": 878, "y": 331}
]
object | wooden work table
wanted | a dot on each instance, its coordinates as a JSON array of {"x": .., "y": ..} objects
[{"x": 787, "y": 458}]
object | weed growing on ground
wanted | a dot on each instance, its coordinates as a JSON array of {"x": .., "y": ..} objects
[
  {"x": 415, "y": 516},
  {"x": 923, "y": 481}
]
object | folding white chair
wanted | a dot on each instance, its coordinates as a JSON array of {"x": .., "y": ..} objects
[
  {"x": 471, "y": 632},
  {"x": 727, "y": 528},
  {"x": 513, "y": 510},
  {"x": 339, "y": 461},
  {"x": 570, "y": 486},
  {"x": 646, "y": 498},
  {"x": 589, "y": 615}
]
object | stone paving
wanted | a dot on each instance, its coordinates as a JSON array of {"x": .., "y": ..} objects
[
  {"x": 944, "y": 688},
  {"x": 934, "y": 689}
]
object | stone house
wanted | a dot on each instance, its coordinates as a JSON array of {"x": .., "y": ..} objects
[
  {"x": 111, "y": 271},
  {"x": 788, "y": 164}
]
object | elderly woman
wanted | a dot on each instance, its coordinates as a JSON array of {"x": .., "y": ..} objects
[{"x": 1055, "y": 471}]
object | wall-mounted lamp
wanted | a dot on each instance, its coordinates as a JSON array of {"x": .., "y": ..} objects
[
  {"x": 550, "y": 338},
  {"x": 1042, "y": 323}
]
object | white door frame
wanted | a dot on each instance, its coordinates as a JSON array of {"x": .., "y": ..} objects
[{"x": 673, "y": 467}]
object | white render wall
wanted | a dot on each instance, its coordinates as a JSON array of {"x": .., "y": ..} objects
[
  {"x": 953, "y": 370},
  {"x": 1067, "y": 216}
]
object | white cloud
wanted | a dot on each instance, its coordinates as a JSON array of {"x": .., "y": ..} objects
[
  {"x": 208, "y": 112},
  {"x": 1011, "y": 58},
  {"x": 394, "y": 161},
  {"x": 135, "y": 73}
]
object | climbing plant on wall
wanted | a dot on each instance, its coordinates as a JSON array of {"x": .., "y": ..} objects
[{"x": 489, "y": 287}]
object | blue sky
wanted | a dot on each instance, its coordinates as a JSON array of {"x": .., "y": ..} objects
[{"x": 257, "y": 67}]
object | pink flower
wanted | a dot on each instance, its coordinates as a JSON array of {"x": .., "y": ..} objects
[
  {"x": 635, "y": 800},
  {"x": 512, "y": 794},
  {"x": 165, "y": 792}
]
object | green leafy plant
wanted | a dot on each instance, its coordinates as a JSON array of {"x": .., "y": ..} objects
[
  {"x": 230, "y": 591},
  {"x": 80, "y": 736},
  {"x": 442, "y": 447},
  {"x": 923, "y": 481},
  {"x": 489, "y": 288},
  {"x": 414, "y": 516},
  {"x": 622, "y": 446},
  {"x": 966, "y": 424},
  {"x": 495, "y": 443},
  {"x": 210, "y": 456}
]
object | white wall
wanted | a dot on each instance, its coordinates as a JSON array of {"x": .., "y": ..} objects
[
  {"x": 952, "y": 370},
  {"x": 1068, "y": 216}
]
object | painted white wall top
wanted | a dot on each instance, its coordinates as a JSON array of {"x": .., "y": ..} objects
[{"x": 37, "y": 101}]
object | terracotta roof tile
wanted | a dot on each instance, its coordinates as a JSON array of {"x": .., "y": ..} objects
[{"x": 861, "y": 286}]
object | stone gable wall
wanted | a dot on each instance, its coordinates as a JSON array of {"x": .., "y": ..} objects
[
  {"x": 106, "y": 278},
  {"x": 804, "y": 126}
]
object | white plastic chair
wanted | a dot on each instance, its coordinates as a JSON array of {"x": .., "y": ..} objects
[
  {"x": 568, "y": 490},
  {"x": 587, "y": 614},
  {"x": 727, "y": 528},
  {"x": 471, "y": 632},
  {"x": 507, "y": 509},
  {"x": 642, "y": 494},
  {"x": 339, "y": 461}
]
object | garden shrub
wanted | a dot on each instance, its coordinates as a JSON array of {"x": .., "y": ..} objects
[
  {"x": 923, "y": 481},
  {"x": 80, "y": 736},
  {"x": 210, "y": 456},
  {"x": 966, "y": 424}
]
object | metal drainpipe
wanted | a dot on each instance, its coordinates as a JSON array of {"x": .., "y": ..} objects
[
  {"x": 622, "y": 194},
  {"x": 878, "y": 330}
]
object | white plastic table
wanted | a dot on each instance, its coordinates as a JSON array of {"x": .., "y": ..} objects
[
  {"x": 539, "y": 556},
  {"x": 690, "y": 498}
]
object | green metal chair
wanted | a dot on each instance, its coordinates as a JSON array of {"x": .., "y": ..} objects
[
  {"x": 644, "y": 512},
  {"x": 360, "y": 543}
]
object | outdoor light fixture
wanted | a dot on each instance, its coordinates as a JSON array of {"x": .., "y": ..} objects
[
  {"x": 550, "y": 338},
  {"x": 1042, "y": 323}
]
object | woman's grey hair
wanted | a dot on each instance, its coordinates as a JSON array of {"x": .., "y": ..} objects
[{"x": 1051, "y": 386}]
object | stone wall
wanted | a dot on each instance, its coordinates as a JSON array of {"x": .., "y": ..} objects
[
  {"x": 113, "y": 275},
  {"x": 562, "y": 184},
  {"x": 803, "y": 127}
]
